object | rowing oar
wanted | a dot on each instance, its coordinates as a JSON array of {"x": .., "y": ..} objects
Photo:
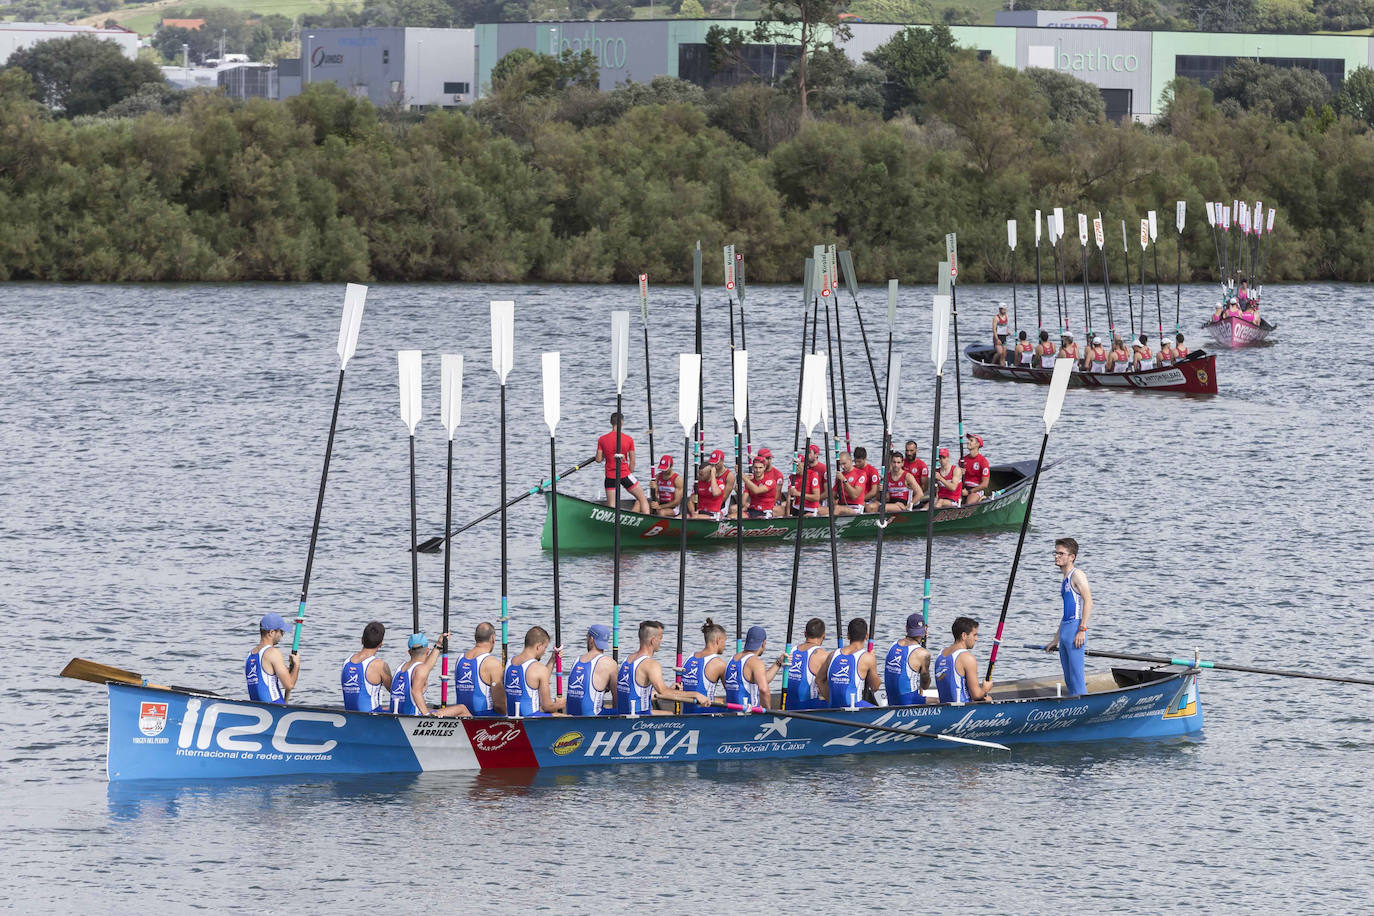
[
  {"x": 939, "y": 352},
  {"x": 408, "y": 366},
  {"x": 1087, "y": 303},
  {"x": 620, "y": 359},
  {"x": 952, "y": 256},
  {"x": 808, "y": 289},
  {"x": 81, "y": 669},
  {"x": 741, "y": 393},
  {"x": 1130, "y": 296},
  {"x": 845, "y": 723},
  {"x": 1217, "y": 666},
  {"x": 433, "y": 544},
  {"x": 354, "y": 298},
  {"x": 502, "y": 360},
  {"x": 811, "y": 406},
  {"x": 1159, "y": 308},
  {"x": 688, "y": 371},
  {"x": 1059, "y": 384},
  {"x": 743, "y": 345},
  {"x": 648, "y": 378},
  {"x": 1101, "y": 238},
  {"x": 1015, "y": 315},
  {"x": 700, "y": 442},
  {"x": 894, "y": 374},
  {"x": 451, "y": 409},
  {"x": 1179, "y": 209},
  {"x": 552, "y": 414},
  {"x": 851, "y": 283},
  {"x": 1039, "y": 308}
]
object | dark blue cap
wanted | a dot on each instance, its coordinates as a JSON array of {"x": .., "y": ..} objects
[{"x": 753, "y": 640}]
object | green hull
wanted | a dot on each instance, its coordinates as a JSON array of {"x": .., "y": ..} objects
[{"x": 586, "y": 525}]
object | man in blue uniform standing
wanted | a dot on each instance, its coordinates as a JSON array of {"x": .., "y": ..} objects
[
  {"x": 1073, "y": 626},
  {"x": 366, "y": 678},
  {"x": 269, "y": 678},
  {"x": 906, "y": 670}
]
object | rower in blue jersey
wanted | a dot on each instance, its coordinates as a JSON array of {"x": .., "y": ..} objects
[
  {"x": 747, "y": 678},
  {"x": 704, "y": 668},
  {"x": 640, "y": 677},
  {"x": 906, "y": 670},
  {"x": 592, "y": 676},
  {"x": 268, "y": 675},
  {"x": 1072, "y": 637},
  {"x": 529, "y": 690},
  {"x": 804, "y": 666},
  {"x": 366, "y": 678},
  {"x": 851, "y": 669},
  {"x": 477, "y": 680},
  {"x": 408, "y": 684},
  {"x": 956, "y": 670}
]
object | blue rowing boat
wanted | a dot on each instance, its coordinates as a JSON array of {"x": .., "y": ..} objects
[{"x": 174, "y": 733}]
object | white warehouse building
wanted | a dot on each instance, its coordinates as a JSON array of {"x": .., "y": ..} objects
[{"x": 16, "y": 35}]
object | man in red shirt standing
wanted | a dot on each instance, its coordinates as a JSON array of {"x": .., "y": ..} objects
[
  {"x": 620, "y": 463},
  {"x": 762, "y": 487},
  {"x": 977, "y": 472},
  {"x": 668, "y": 491}
]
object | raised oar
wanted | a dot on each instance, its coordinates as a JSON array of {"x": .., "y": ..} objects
[
  {"x": 812, "y": 406},
  {"x": 1130, "y": 297},
  {"x": 1209, "y": 209},
  {"x": 1039, "y": 308},
  {"x": 701, "y": 417},
  {"x": 808, "y": 289},
  {"x": 1179, "y": 209},
  {"x": 408, "y": 366},
  {"x": 839, "y": 347},
  {"x": 433, "y": 544},
  {"x": 830, "y": 520},
  {"x": 1015, "y": 315},
  {"x": 1218, "y": 666},
  {"x": 894, "y": 373},
  {"x": 648, "y": 377},
  {"x": 867, "y": 726},
  {"x": 1087, "y": 305},
  {"x": 939, "y": 352},
  {"x": 451, "y": 409},
  {"x": 1059, "y": 384},
  {"x": 1057, "y": 243},
  {"x": 620, "y": 358},
  {"x": 1144, "y": 243},
  {"x": 1159, "y": 308},
  {"x": 830, "y": 369},
  {"x": 354, "y": 298},
  {"x": 502, "y": 361},
  {"x": 730, "y": 284},
  {"x": 741, "y": 385},
  {"x": 851, "y": 283},
  {"x": 552, "y": 414},
  {"x": 952, "y": 254},
  {"x": 744, "y": 345},
  {"x": 689, "y": 370},
  {"x": 1101, "y": 239}
]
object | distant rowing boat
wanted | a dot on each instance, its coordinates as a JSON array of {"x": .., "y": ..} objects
[
  {"x": 1195, "y": 375},
  {"x": 184, "y": 735},
  {"x": 1236, "y": 332},
  {"x": 587, "y": 525}
]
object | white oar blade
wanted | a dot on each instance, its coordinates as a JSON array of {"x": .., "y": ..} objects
[
  {"x": 1144, "y": 234},
  {"x": 1098, "y": 235},
  {"x": 939, "y": 333},
  {"x": 1057, "y": 229},
  {"x": 1037, "y": 228},
  {"x": 408, "y": 363},
  {"x": 1154, "y": 226},
  {"x": 502, "y": 338},
  {"x": 552, "y": 392},
  {"x": 847, "y": 268},
  {"x": 644, "y": 297},
  {"x": 355, "y": 295},
  {"x": 620, "y": 348},
  {"x": 1271, "y": 222},
  {"x": 729, "y": 261},
  {"x": 1210, "y": 210},
  {"x": 808, "y": 282},
  {"x": 1083, "y": 229},
  {"x": 688, "y": 376},
  {"x": 741, "y": 386},
  {"x": 952, "y": 254},
  {"x": 696, "y": 270},
  {"x": 1011, "y": 234},
  {"x": 451, "y": 400},
  {"x": 1179, "y": 209},
  {"x": 942, "y": 279},
  {"x": 1059, "y": 384},
  {"x": 813, "y": 391},
  {"x": 891, "y": 306},
  {"x": 894, "y": 378}
]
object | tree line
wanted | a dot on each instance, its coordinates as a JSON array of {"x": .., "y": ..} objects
[{"x": 548, "y": 179}]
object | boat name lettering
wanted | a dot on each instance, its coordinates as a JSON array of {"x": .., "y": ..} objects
[
  {"x": 1041, "y": 715},
  {"x": 495, "y": 736},
  {"x": 651, "y": 725},
  {"x": 434, "y": 728},
  {"x": 234, "y": 737},
  {"x": 627, "y": 519},
  {"x": 869, "y": 736},
  {"x": 971, "y": 723},
  {"x": 653, "y": 743},
  {"x": 728, "y": 531},
  {"x": 1157, "y": 379}
]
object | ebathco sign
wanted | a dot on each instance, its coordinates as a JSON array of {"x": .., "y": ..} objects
[
  {"x": 1098, "y": 61},
  {"x": 610, "y": 52}
]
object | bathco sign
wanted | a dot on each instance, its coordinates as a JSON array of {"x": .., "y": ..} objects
[{"x": 1096, "y": 60}]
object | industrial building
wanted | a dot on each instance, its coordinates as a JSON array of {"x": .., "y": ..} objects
[
  {"x": 16, "y": 35},
  {"x": 394, "y": 68}
]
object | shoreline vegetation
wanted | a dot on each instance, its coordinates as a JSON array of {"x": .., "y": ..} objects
[{"x": 549, "y": 180}]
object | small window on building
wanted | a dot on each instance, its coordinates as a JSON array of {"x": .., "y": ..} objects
[
  {"x": 386, "y": 56},
  {"x": 455, "y": 88}
]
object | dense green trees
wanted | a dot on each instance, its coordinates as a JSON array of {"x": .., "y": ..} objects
[
  {"x": 81, "y": 75},
  {"x": 551, "y": 180}
]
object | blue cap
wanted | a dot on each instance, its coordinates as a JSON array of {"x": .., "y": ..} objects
[
  {"x": 915, "y": 626},
  {"x": 417, "y": 641},
  {"x": 753, "y": 640},
  {"x": 272, "y": 622},
  {"x": 601, "y": 635}
]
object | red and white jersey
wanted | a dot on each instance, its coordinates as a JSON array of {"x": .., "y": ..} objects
[
  {"x": 1147, "y": 359},
  {"x": 873, "y": 480},
  {"x": 899, "y": 489},
  {"x": 1180, "y": 353},
  {"x": 710, "y": 494},
  {"x": 976, "y": 470},
  {"x": 1024, "y": 352},
  {"x": 920, "y": 472},
  {"x": 607, "y": 446},
  {"x": 958, "y": 490},
  {"x": 767, "y": 500},
  {"x": 1071, "y": 351},
  {"x": 667, "y": 487},
  {"x": 1002, "y": 325}
]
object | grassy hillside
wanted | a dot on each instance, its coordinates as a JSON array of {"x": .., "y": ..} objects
[{"x": 144, "y": 18}]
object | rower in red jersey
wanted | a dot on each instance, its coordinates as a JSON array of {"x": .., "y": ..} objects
[
  {"x": 918, "y": 469},
  {"x": 709, "y": 499},
  {"x": 1068, "y": 349},
  {"x": 1097, "y": 356},
  {"x": 873, "y": 478},
  {"x": 1180, "y": 349},
  {"x": 902, "y": 490},
  {"x": 1045, "y": 351},
  {"x": 814, "y": 483},
  {"x": 1119, "y": 360},
  {"x": 668, "y": 489},
  {"x": 848, "y": 495},
  {"x": 620, "y": 457},
  {"x": 1025, "y": 350},
  {"x": 1001, "y": 330},
  {"x": 977, "y": 471},
  {"x": 1166, "y": 353},
  {"x": 762, "y": 486},
  {"x": 1144, "y": 359},
  {"x": 949, "y": 480}
]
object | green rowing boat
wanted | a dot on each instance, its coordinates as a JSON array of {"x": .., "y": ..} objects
[{"x": 587, "y": 525}]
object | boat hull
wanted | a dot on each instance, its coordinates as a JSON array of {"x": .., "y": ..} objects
[
  {"x": 172, "y": 734},
  {"x": 1195, "y": 375},
  {"x": 1236, "y": 332},
  {"x": 586, "y": 525}
]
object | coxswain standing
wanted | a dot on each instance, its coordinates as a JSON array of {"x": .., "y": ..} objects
[
  {"x": 668, "y": 489},
  {"x": 366, "y": 678},
  {"x": 477, "y": 678},
  {"x": 1025, "y": 350},
  {"x": 702, "y": 671},
  {"x": 762, "y": 487},
  {"x": 1097, "y": 356},
  {"x": 850, "y": 669},
  {"x": 804, "y": 667},
  {"x": 977, "y": 471},
  {"x": 956, "y": 670},
  {"x": 747, "y": 679},
  {"x": 620, "y": 457},
  {"x": 949, "y": 482},
  {"x": 1073, "y": 626},
  {"x": 1001, "y": 330},
  {"x": 408, "y": 684},
  {"x": 269, "y": 678},
  {"x": 640, "y": 677},
  {"x": 847, "y": 497},
  {"x": 711, "y": 490},
  {"x": 592, "y": 676},
  {"x": 528, "y": 684},
  {"x": 906, "y": 670}
]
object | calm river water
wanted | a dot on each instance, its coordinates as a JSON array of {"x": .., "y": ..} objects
[{"x": 161, "y": 450}]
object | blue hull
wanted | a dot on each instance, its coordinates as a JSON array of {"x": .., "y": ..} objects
[{"x": 166, "y": 734}]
